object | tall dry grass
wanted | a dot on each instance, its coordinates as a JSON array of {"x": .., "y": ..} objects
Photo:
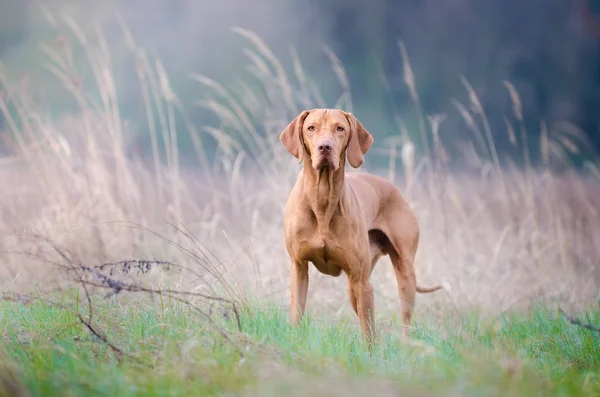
[{"x": 497, "y": 235}]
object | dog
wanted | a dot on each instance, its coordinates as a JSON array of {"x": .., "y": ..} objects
[{"x": 345, "y": 222}]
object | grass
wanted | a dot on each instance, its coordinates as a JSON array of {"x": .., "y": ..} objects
[
  {"x": 511, "y": 239},
  {"x": 531, "y": 354}
]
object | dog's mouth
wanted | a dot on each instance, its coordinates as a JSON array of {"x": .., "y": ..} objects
[{"x": 325, "y": 163}]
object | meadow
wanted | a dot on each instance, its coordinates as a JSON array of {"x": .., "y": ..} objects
[{"x": 132, "y": 274}]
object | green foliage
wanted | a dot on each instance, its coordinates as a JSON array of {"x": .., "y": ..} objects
[{"x": 534, "y": 354}]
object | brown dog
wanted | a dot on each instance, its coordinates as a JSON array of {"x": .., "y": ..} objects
[{"x": 345, "y": 222}]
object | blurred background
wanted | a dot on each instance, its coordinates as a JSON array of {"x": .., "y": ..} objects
[
  {"x": 124, "y": 122},
  {"x": 548, "y": 49}
]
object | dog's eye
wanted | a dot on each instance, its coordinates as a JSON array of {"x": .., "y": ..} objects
[
  {"x": 340, "y": 128},
  {"x": 311, "y": 128}
]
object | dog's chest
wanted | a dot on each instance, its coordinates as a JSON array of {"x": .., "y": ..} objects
[
  {"x": 328, "y": 245},
  {"x": 325, "y": 252},
  {"x": 319, "y": 247}
]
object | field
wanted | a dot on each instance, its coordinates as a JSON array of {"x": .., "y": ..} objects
[
  {"x": 175, "y": 352},
  {"x": 159, "y": 274}
]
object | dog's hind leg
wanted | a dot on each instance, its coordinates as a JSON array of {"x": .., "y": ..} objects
[{"x": 407, "y": 286}]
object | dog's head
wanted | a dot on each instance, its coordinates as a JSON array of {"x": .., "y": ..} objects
[{"x": 326, "y": 136}]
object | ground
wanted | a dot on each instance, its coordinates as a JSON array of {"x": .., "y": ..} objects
[{"x": 167, "y": 348}]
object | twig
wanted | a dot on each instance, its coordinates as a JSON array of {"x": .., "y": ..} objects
[
  {"x": 88, "y": 323},
  {"x": 216, "y": 327},
  {"x": 579, "y": 323},
  {"x": 91, "y": 276},
  {"x": 117, "y": 286},
  {"x": 142, "y": 265},
  {"x": 28, "y": 299}
]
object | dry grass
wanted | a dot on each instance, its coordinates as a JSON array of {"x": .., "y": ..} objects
[{"x": 499, "y": 236}]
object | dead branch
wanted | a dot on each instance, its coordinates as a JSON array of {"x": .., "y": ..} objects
[
  {"x": 579, "y": 323},
  {"x": 28, "y": 299},
  {"x": 92, "y": 276}
]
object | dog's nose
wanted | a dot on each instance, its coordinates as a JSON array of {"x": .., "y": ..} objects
[{"x": 325, "y": 146}]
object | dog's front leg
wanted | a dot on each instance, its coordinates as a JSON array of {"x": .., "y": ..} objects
[
  {"x": 365, "y": 305},
  {"x": 299, "y": 289},
  {"x": 366, "y": 311}
]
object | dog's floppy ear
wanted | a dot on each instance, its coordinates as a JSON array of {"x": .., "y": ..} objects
[
  {"x": 360, "y": 141},
  {"x": 291, "y": 137}
]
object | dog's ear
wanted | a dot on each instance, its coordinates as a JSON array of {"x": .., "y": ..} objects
[
  {"x": 360, "y": 141},
  {"x": 291, "y": 137}
]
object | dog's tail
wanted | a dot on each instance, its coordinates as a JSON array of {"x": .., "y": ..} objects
[{"x": 425, "y": 290}]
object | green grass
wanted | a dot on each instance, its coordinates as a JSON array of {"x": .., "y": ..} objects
[{"x": 179, "y": 353}]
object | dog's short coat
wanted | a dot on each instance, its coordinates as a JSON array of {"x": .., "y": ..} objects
[{"x": 345, "y": 221}]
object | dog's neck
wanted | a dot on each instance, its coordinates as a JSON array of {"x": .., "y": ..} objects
[{"x": 323, "y": 191}]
